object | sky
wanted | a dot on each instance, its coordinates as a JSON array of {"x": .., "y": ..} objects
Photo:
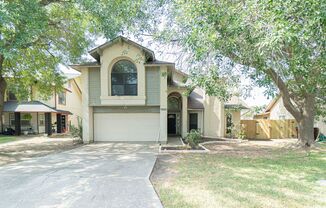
[{"x": 256, "y": 98}]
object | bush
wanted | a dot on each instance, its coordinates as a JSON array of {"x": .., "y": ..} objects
[
  {"x": 193, "y": 138},
  {"x": 77, "y": 131}
]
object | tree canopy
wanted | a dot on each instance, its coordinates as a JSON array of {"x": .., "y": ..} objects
[
  {"x": 36, "y": 35},
  {"x": 280, "y": 44}
]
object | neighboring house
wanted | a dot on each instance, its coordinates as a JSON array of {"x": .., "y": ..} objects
[
  {"x": 276, "y": 111},
  {"x": 128, "y": 95},
  {"x": 36, "y": 115}
]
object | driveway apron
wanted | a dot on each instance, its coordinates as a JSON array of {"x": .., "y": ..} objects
[{"x": 97, "y": 175}]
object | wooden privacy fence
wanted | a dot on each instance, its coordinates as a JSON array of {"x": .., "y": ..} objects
[{"x": 269, "y": 129}]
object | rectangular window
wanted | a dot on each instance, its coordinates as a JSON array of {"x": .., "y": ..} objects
[
  {"x": 193, "y": 121},
  {"x": 62, "y": 98},
  {"x": 41, "y": 120},
  {"x": 25, "y": 121},
  {"x": 124, "y": 84},
  {"x": 12, "y": 119}
]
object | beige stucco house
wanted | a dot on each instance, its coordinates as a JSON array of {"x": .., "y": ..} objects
[
  {"x": 128, "y": 95},
  {"x": 275, "y": 110},
  {"x": 37, "y": 115}
]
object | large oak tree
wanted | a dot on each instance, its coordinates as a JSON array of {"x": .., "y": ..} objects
[
  {"x": 36, "y": 35},
  {"x": 281, "y": 44}
]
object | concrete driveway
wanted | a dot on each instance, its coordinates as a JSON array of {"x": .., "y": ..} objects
[{"x": 96, "y": 175}]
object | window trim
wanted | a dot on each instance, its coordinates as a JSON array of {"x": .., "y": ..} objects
[
  {"x": 124, "y": 76},
  {"x": 190, "y": 124}
]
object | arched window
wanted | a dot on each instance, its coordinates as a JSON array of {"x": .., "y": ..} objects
[
  {"x": 174, "y": 104},
  {"x": 124, "y": 78}
]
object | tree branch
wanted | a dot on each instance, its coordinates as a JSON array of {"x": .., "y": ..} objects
[{"x": 284, "y": 93}]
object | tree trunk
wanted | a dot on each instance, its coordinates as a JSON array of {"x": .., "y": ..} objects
[
  {"x": 3, "y": 87},
  {"x": 306, "y": 131},
  {"x": 306, "y": 123}
]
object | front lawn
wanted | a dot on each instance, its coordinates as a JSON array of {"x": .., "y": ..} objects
[
  {"x": 277, "y": 179},
  {"x": 5, "y": 138}
]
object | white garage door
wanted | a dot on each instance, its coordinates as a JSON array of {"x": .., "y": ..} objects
[{"x": 126, "y": 126}]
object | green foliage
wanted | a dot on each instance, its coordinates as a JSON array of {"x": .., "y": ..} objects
[
  {"x": 36, "y": 35},
  {"x": 193, "y": 138},
  {"x": 285, "y": 37},
  {"x": 27, "y": 116},
  {"x": 77, "y": 131}
]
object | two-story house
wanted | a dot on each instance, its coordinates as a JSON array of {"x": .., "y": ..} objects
[
  {"x": 129, "y": 95},
  {"x": 38, "y": 116}
]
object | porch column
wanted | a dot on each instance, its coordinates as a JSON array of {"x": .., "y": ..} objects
[
  {"x": 48, "y": 123},
  {"x": 184, "y": 116},
  {"x": 87, "y": 121},
  {"x": 163, "y": 105},
  {"x": 17, "y": 124},
  {"x": 59, "y": 123}
]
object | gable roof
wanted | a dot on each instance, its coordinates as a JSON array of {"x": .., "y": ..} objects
[
  {"x": 96, "y": 52},
  {"x": 272, "y": 104}
]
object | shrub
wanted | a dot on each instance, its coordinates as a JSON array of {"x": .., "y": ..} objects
[
  {"x": 77, "y": 131},
  {"x": 193, "y": 138}
]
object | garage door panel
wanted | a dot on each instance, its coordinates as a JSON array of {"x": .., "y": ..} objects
[{"x": 126, "y": 126}]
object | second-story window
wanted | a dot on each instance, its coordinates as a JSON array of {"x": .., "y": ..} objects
[
  {"x": 11, "y": 96},
  {"x": 124, "y": 79},
  {"x": 62, "y": 98}
]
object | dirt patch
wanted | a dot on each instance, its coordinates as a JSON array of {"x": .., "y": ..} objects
[
  {"x": 254, "y": 148},
  {"x": 27, "y": 148},
  {"x": 181, "y": 148}
]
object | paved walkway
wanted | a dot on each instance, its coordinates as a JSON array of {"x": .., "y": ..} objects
[{"x": 98, "y": 175}]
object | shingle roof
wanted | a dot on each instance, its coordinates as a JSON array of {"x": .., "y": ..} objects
[
  {"x": 30, "y": 107},
  {"x": 157, "y": 62},
  {"x": 236, "y": 102},
  {"x": 195, "y": 99}
]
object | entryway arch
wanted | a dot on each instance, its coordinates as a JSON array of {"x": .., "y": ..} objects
[{"x": 174, "y": 119}]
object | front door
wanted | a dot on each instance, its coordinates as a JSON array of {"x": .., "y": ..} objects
[
  {"x": 63, "y": 123},
  {"x": 172, "y": 129}
]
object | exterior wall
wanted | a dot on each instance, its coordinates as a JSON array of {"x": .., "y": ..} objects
[
  {"x": 235, "y": 120},
  {"x": 73, "y": 104},
  {"x": 109, "y": 57},
  {"x": 126, "y": 109},
  {"x": 279, "y": 111},
  {"x": 163, "y": 104},
  {"x": 152, "y": 86},
  {"x": 213, "y": 117},
  {"x": 94, "y": 86},
  {"x": 87, "y": 118}
]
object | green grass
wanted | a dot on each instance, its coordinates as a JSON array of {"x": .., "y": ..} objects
[
  {"x": 4, "y": 139},
  {"x": 213, "y": 180}
]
